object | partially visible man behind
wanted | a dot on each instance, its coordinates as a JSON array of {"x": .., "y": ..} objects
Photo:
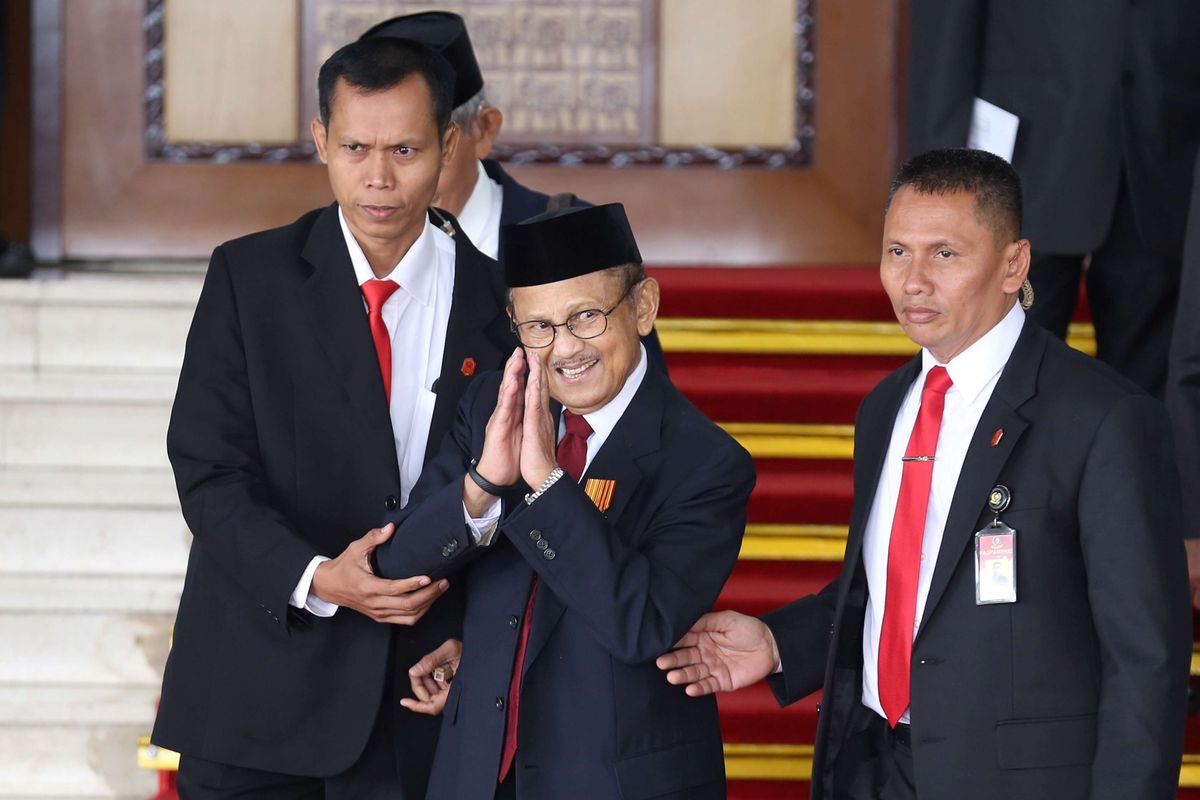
[
  {"x": 473, "y": 187},
  {"x": 297, "y": 424},
  {"x": 607, "y": 513},
  {"x": 1183, "y": 386},
  {"x": 1105, "y": 104},
  {"x": 997, "y": 445}
]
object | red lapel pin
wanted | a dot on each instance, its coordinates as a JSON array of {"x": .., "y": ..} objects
[
  {"x": 468, "y": 366},
  {"x": 997, "y": 436}
]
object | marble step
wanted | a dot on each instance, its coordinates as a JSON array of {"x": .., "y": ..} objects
[
  {"x": 84, "y": 648},
  {"x": 96, "y": 320},
  {"x": 88, "y": 488},
  {"x": 101, "y": 631},
  {"x": 95, "y": 540},
  {"x": 91, "y": 522},
  {"x": 83, "y": 419},
  {"x": 73, "y": 761}
]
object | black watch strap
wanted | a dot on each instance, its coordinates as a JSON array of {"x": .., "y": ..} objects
[{"x": 484, "y": 483}]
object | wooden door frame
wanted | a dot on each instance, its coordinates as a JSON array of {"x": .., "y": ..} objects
[{"x": 97, "y": 196}]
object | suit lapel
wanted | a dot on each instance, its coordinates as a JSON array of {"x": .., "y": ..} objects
[
  {"x": 981, "y": 468},
  {"x": 478, "y": 338},
  {"x": 335, "y": 305},
  {"x": 871, "y": 441},
  {"x": 637, "y": 434}
]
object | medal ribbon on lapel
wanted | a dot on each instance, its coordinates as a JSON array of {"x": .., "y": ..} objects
[{"x": 600, "y": 491}]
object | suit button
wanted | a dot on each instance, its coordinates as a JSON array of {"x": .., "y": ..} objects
[
  {"x": 536, "y": 535},
  {"x": 447, "y": 552},
  {"x": 390, "y": 502},
  {"x": 513, "y": 622},
  {"x": 549, "y": 554},
  {"x": 499, "y": 703},
  {"x": 542, "y": 544}
]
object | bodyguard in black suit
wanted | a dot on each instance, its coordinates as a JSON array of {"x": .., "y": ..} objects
[
  {"x": 473, "y": 187},
  {"x": 579, "y": 570},
  {"x": 1067, "y": 682},
  {"x": 284, "y": 452},
  {"x": 1108, "y": 97}
]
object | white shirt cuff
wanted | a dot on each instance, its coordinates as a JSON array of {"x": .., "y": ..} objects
[
  {"x": 778, "y": 668},
  {"x": 301, "y": 598},
  {"x": 484, "y": 528}
]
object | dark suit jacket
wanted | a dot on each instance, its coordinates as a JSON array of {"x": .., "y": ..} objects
[
  {"x": 1183, "y": 381},
  {"x": 283, "y": 449},
  {"x": 521, "y": 203},
  {"x": 1102, "y": 87},
  {"x": 1076, "y": 690},
  {"x": 617, "y": 589}
]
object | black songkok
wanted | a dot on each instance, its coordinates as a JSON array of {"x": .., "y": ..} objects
[
  {"x": 444, "y": 33},
  {"x": 567, "y": 243}
]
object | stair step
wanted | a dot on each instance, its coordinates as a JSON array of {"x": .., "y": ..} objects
[
  {"x": 104, "y": 541},
  {"x": 84, "y": 419},
  {"x": 90, "y": 488},
  {"x": 84, "y": 648},
  {"x": 72, "y": 761},
  {"x": 753, "y": 393},
  {"x": 751, "y": 715},
  {"x": 816, "y": 490},
  {"x": 756, "y": 587},
  {"x": 90, "y": 594},
  {"x": 810, "y": 292},
  {"x": 96, "y": 321}
]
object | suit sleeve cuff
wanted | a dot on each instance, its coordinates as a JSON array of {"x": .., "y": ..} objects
[
  {"x": 302, "y": 598},
  {"x": 483, "y": 528}
]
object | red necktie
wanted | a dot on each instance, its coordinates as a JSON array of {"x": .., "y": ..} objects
[
  {"x": 572, "y": 454},
  {"x": 376, "y": 293},
  {"x": 904, "y": 549}
]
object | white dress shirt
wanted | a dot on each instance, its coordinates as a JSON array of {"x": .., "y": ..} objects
[
  {"x": 602, "y": 422},
  {"x": 480, "y": 217},
  {"x": 416, "y": 317},
  {"x": 974, "y": 373}
]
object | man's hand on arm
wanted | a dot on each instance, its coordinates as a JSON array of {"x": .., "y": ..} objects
[
  {"x": 722, "y": 652},
  {"x": 348, "y": 580},
  {"x": 500, "y": 461},
  {"x": 430, "y": 678}
]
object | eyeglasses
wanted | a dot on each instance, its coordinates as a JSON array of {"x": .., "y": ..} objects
[{"x": 586, "y": 324}]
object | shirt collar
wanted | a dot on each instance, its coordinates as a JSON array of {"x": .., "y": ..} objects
[
  {"x": 973, "y": 369},
  {"x": 477, "y": 214},
  {"x": 605, "y": 418},
  {"x": 412, "y": 273}
]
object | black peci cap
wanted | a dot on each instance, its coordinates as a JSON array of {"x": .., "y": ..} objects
[
  {"x": 567, "y": 243},
  {"x": 445, "y": 33}
]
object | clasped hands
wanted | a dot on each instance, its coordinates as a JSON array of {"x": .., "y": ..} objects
[{"x": 521, "y": 436}]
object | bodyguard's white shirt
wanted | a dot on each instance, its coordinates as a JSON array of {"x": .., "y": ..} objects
[
  {"x": 416, "y": 317},
  {"x": 974, "y": 373},
  {"x": 602, "y": 422},
  {"x": 480, "y": 217}
]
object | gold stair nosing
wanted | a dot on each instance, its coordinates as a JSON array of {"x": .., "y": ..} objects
[
  {"x": 786, "y": 542},
  {"x": 782, "y": 440},
  {"x": 806, "y": 337}
]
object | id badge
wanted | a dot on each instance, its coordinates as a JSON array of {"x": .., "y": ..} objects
[{"x": 995, "y": 565}]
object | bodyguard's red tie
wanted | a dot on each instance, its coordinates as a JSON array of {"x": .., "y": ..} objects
[
  {"x": 376, "y": 293},
  {"x": 572, "y": 455},
  {"x": 904, "y": 549}
]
